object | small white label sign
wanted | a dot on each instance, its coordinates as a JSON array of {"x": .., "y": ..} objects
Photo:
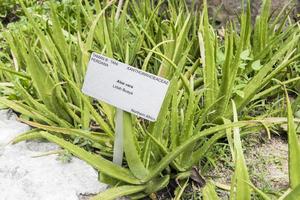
[{"x": 125, "y": 87}]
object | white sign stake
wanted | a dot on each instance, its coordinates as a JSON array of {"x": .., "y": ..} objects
[
  {"x": 126, "y": 88},
  {"x": 118, "y": 144}
]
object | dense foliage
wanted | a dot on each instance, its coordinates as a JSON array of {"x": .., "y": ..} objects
[{"x": 222, "y": 83}]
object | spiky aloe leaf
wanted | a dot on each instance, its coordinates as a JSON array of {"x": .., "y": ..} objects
[
  {"x": 120, "y": 191},
  {"x": 261, "y": 193},
  {"x": 207, "y": 38},
  {"x": 209, "y": 192},
  {"x": 166, "y": 160},
  {"x": 294, "y": 194},
  {"x": 294, "y": 147},
  {"x": 97, "y": 161},
  {"x": 131, "y": 149},
  {"x": 239, "y": 185}
]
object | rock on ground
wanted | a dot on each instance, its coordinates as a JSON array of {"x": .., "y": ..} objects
[{"x": 23, "y": 177}]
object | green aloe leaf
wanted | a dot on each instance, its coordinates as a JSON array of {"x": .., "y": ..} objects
[
  {"x": 261, "y": 193},
  {"x": 93, "y": 136},
  {"x": 166, "y": 160},
  {"x": 256, "y": 65},
  {"x": 209, "y": 192},
  {"x": 121, "y": 191},
  {"x": 29, "y": 135},
  {"x": 294, "y": 147},
  {"x": 97, "y": 161},
  {"x": 266, "y": 73},
  {"x": 131, "y": 149},
  {"x": 239, "y": 185},
  {"x": 207, "y": 38},
  {"x": 26, "y": 110},
  {"x": 294, "y": 194}
]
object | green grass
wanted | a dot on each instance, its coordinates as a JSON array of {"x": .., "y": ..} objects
[{"x": 219, "y": 87}]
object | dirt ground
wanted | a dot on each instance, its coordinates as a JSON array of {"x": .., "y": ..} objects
[{"x": 267, "y": 162}]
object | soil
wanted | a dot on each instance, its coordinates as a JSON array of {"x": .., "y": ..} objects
[{"x": 267, "y": 162}]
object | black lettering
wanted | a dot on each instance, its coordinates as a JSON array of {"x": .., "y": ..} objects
[
  {"x": 120, "y": 82},
  {"x": 161, "y": 80},
  {"x": 128, "y": 85},
  {"x": 99, "y": 62}
]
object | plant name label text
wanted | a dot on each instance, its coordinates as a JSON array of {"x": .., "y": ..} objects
[{"x": 128, "y": 88}]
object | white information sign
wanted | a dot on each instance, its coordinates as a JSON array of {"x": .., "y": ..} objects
[{"x": 125, "y": 87}]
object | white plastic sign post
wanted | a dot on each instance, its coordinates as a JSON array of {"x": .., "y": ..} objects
[
  {"x": 126, "y": 88},
  {"x": 118, "y": 144}
]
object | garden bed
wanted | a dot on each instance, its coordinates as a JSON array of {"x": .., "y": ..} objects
[{"x": 228, "y": 124}]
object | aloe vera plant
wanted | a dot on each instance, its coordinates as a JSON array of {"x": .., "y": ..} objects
[{"x": 206, "y": 71}]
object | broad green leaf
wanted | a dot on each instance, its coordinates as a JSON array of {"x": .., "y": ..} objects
[
  {"x": 166, "y": 160},
  {"x": 206, "y": 39},
  {"x": 180, "y": 190},
  {"x": 265, "y": 74},
  {"x": 121, "y": 191},
  {"x": 201, "y": 152},
  {"x": 19, "y": 74},
  {"x": 96, "y": 161},
  {"x": 29, "y": 135},
  {"x": 21, "y": 108},
  {"x": 209, "y": 192},
  {"x": 174, "y": 129},
  {"x": 294, "y": 147},
  {"x": 137, "y": 191},
  {"x": 59, "y": 38},
  {"x": 187, "y": 131},
  {"x": 93, "y": 111},
  {"x": 93, "y": 136},
  {"x": 256, "y": 65},
  {"x": 294, "y": 194},
  {"x": 47, "y": 45},
  {"x": 130, "y": 148},
  {"x": 233, "y": 60},
  {"x": 272, "y": 89},
  {"x": 239, "y": 185},
  {"x": 245, "y": 55},
  {"x": 261, "y": 193},
  {"x": 240, "y": 93}
]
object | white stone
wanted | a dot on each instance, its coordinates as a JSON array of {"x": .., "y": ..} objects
[
  {"x": 10, "y": 127},
  {"x": 23, "y": 177}
]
